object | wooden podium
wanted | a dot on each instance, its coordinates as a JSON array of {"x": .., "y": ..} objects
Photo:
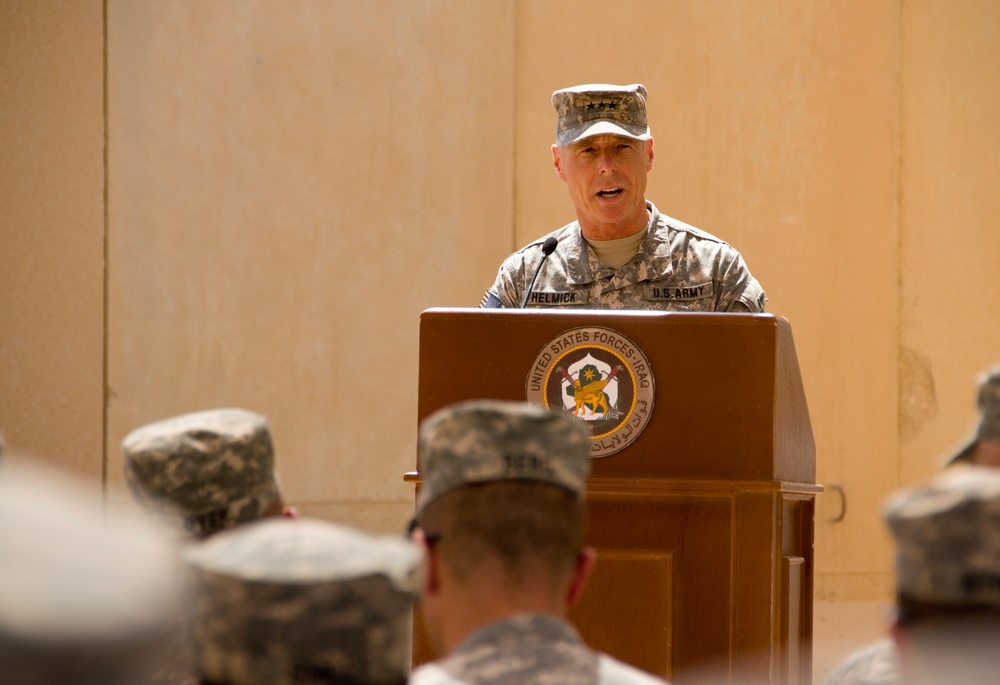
[{"x": 700, "y": 505}]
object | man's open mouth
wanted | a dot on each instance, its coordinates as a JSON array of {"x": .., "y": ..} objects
[{"x": 612, "y": 192}]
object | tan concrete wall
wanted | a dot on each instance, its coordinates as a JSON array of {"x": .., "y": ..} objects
[
  {"x": 289, "y": 187},
  {"x": 52, "y": 232},
  {"x": 950, "y": 210}
]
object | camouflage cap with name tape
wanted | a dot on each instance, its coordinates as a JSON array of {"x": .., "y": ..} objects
[
  {"x": 947, "y": 534},
  {"x": 599, "y": 108},
  {"x": 989, "y": 416},
  {"x": 207, "y": 470},
  {"x": 483, "y": 441},
  {"x": 302, "y": 601}
]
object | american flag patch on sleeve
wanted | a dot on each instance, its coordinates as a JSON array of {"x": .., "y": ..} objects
[{"x": 491, "y": 301}]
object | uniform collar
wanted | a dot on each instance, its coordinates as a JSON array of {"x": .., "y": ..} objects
[
  {"x": 655, "y": 264},
  {"x": 518, "y": 628}
]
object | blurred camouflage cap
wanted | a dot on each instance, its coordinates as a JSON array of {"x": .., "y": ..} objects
[
  {"x": 87, "y": 596},
  {"x": 599, "y": 108},
  {"x": 989, "y": 415},
  {"x": 302, "y": 601},
  {"x": 483, "y": 441},
  {"x": 208, "y": 470},
  {"x": 947, "y": 536}
]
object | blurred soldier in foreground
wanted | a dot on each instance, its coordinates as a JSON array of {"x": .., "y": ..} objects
[
  {"x": 878, "y": 664},
  {"x": 500, "y": 516},
  {"x": 948, "y": 578},
  {"x": 947, "y": 620},
  {"x": 202, "y": 473},
  {"x": 88, "y": 596},
  {"x": 306, "y": 602},
  {"x": 207, "y": 471}
]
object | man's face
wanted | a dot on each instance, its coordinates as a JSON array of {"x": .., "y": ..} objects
[{"x": 606, "y": 175}]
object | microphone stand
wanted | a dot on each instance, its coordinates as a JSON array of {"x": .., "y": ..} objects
[{"x": 548, "y": 247}]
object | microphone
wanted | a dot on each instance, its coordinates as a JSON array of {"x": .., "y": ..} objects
[{"x": 548, "y": 247}]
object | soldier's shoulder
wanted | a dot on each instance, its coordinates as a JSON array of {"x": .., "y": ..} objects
[
  {"x": 560, "y": 234},
  {"x": 876, "y": 664},
  {"x": 432, "y": 674},
  {"x": 679, "y": 229},
  {"x": 613, "y": 672}
]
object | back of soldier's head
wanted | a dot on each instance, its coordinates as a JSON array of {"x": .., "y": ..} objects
[
  {"x": 529, "y": 530},
  {"x": 206, "y": 471},
  {"x": 503, "y": 482},
  {"x": 301, "y": 601},
  {"x": 88, "y": 595}
]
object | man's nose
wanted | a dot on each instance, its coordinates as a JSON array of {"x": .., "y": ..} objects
[{"x": 606, "y": 161}]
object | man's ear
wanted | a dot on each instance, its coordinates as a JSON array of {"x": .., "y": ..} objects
[
  {"x": 557, "y": 162},
  {"x": 898, "y": 633},
  {"x": 649, "y": 152},
  {"x": 431, "y": 577},
  {"x": 585, "y": 561}
]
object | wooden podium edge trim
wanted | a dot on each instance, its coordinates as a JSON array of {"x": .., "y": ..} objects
[{"x": 656, "y": 486}]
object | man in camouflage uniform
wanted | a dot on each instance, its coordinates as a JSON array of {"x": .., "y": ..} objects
[
  {"x": 878, "y": 664},
  {"x": 500, "y": 517},
  {"x": 206, "y": 471},
  {"x": 88, "y": 594},
  {"x": 621, "y": 252}
]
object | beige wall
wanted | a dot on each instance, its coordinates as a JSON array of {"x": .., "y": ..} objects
[
  {"x": 950, "y": 210},
  {"x": 52, "y": 210},
  {"x": 290, "y": 184}
]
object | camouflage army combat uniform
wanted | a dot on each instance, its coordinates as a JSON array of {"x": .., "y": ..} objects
[
  {"x": 528, "y": 648},
  {"x": 678, "y": 268}
]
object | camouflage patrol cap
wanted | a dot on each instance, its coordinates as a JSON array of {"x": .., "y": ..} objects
[
  {"x": 599, "y": 108},
  {"x": 947, "y": 536},
  {"x": 302, "y": 601},
  {"x": 483, "y": 441},
  {"x": 989, "y": 416},
  {"x": 88, "y": 595},
  {"x": 208, "y": 470}
]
